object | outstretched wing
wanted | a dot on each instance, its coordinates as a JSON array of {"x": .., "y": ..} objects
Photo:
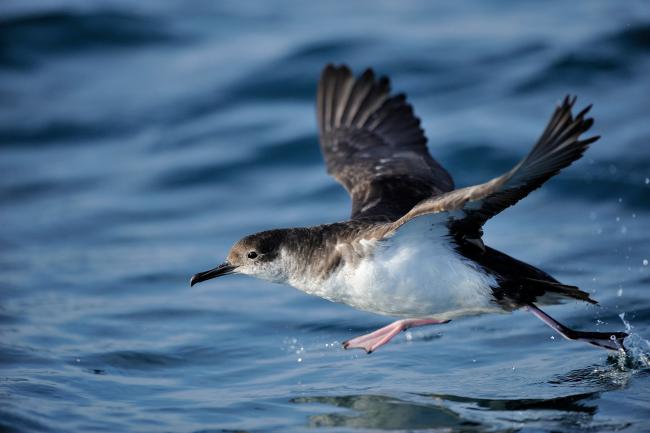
[
  {"x": 557, "y": 148},
  {"x": 373, "y": 145}
]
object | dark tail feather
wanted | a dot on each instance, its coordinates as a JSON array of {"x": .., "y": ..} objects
[
  {"x": 560, "y": 289},
  {"x": 606, "y": 340}
]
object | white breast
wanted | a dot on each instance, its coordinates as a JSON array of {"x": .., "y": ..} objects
[{"x": 414, "y": 273}]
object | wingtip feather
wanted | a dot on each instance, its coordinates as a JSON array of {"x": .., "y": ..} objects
[{"x": 584, "y": 111}]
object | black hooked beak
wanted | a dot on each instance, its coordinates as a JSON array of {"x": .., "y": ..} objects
[{"x": 223, "y": 269}]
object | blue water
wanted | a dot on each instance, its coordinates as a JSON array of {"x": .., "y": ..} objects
[{"x": 138, "y": 140}]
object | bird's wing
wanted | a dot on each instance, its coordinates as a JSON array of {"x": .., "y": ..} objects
[
  {"x": 469, "y": 208},
  {"x": 373, "y": 145}
]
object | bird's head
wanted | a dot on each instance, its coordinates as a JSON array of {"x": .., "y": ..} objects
[{"x": 258, "y": 255}]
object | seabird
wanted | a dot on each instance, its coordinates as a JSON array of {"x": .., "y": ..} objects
[{"x": 412, "y": 247}]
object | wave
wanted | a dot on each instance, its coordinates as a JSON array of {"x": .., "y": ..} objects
[
  {"x": 26, "y": 40},
  {"x": 613, "y": 56},
  {"x": 635, "y": 38}
]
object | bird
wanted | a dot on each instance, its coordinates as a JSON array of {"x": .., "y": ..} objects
[{"x": 412, "y": 248}]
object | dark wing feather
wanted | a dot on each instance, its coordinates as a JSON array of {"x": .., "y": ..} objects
[
  {"x": 373, "y": 145},
  {"x": 557, "y": 148}
]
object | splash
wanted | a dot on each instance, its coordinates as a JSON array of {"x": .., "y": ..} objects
[
  {"x": 637, "y": 350},
  {"x": 293, "y": 345}
]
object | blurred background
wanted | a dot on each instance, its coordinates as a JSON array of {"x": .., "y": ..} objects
[{"x": 139, "y": 140}]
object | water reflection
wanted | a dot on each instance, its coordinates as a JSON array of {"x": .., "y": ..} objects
[
  {"x": 569, "y": 403},
  {"x": 450, "y": 412},
  {"x": 388, "y": 413}
]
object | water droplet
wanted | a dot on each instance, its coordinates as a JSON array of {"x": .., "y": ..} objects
[
  {"x": 624, "y": 230},
  {"x": 620, "y": 292},
  {"x": 618, "y": 219},
  {"x": 645, "y": 262},
  {"x": 552, "y": 337},
  {"x": 299, "y": 359},
  {"x": 647, "y": 180}
]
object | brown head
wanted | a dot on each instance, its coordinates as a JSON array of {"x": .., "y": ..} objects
[{"x": 258, "y": 255}]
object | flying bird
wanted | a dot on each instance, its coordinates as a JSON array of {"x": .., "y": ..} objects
[{"x": 412, "y": 248}]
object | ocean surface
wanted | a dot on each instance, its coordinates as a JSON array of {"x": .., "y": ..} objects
[{"x": 139, "y": 140}]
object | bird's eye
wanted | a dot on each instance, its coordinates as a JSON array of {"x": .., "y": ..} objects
[{"x": 252, "y": 255}]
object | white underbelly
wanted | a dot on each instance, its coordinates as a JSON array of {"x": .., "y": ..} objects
[{"x": 416, "y": 273}]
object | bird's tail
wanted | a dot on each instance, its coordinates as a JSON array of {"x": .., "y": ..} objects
[{"x": 555, "y": 291}]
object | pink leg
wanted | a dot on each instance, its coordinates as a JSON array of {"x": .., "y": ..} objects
[{"x": 374, "y": 340}]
